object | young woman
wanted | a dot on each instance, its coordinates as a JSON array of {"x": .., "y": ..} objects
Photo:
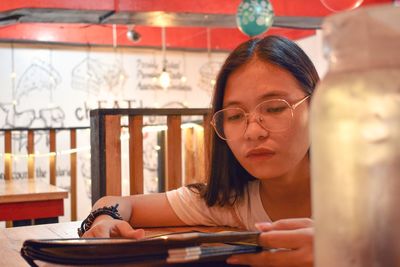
[{"x": 259, "y": 176}]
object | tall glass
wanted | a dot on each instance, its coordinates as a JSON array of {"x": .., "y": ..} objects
[{"x": 355, "y": 135}]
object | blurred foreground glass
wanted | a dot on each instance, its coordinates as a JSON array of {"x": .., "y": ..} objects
[{"x": 355, "y": 137}]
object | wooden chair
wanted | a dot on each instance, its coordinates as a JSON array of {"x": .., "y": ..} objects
[{"x": 105, "y": 125}]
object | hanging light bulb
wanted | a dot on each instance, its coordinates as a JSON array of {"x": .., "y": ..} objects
[
  {"x": 183, "y": 79},
  {"x": 210, "y": 62},
  {"x": 165, "y": 79},
  {"x": 121, "y": 77},
  {"x": 13, "y": 76}
]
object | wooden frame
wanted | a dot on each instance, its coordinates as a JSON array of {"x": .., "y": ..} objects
[{"x": 106, "y": 152}]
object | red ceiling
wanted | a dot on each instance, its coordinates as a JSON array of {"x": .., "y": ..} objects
[
  {"x": 176, "y": 37},
  {"x": 281, "y": 7}
]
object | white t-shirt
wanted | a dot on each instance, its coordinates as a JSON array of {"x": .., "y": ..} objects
[{"x": 193, "y": 210}]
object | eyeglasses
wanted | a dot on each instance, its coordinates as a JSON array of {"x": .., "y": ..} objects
[{"x": 273, "y": 115}]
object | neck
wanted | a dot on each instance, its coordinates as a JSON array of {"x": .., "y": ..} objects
[{"x": 288, "y": 196}]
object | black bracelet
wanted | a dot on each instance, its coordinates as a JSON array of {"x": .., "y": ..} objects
[{"x": 87, "y": 223}]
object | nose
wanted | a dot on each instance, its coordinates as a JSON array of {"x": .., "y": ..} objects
[{"x": 254, "y": 129}]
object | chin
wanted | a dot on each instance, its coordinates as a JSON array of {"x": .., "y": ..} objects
[
  {"x": 264, "y": 169},
  {"x": 265, "y": 174}
]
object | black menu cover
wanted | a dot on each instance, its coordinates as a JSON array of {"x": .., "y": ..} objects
[{"x": 171, "y": 248}]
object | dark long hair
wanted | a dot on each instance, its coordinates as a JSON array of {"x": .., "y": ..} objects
[{"x": 227, "y": 179}]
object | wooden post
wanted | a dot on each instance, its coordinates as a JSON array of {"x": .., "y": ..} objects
[
  {"x": 105, "y": 155},
  {"x": 52, "y": 158},
  {"x": 201, "y": 176},
  {"x": 8, "y": 162},
  {"x": 136, "y": 154},
  {"x": 189, "y": 160},
  {"x": 113, "y": 154},
  {"x": 97, "y": 157},
  {"x": 7, "y": 155},
  {"x": 174, "y": 152},
  {"x": 31, "y": 156},
  {"x": 207, "y": 141},
  {"x": 161, "y": 162},
  {"x": 73, "y": 174},
  {"x": 194, "y": 155}
]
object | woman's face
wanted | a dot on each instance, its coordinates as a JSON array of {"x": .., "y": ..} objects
[{"x": 262, "y": 153}]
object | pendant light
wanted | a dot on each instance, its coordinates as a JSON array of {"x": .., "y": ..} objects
[{"x": 164, "y": 79}]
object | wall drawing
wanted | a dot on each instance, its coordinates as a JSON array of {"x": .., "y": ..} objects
[
  {"x": 16, "y": 118},
  {"x": 208, "y": 72},
  {"x": 37, "y": 82},
  {"x": 97, "y": 77}
]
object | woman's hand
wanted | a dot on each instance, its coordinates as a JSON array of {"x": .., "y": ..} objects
[
  {"x": 105, "y": 226},
  {"x": 292, "y": 240}
]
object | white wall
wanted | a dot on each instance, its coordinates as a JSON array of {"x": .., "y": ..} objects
[{"x": 313, "y": 46}]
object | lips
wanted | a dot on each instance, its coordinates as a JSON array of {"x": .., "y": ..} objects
[{"x": 259, "y": 152}]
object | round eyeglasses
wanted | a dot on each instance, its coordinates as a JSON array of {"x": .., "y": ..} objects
[{"x": 273, "y": 115}]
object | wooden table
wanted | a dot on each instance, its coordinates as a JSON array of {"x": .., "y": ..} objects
[
  {"x": 11, "y": 239},
  {"x": 30, "y": 199}
]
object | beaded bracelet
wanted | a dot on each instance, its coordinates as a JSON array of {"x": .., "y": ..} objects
[{"x": 87, "y": 223}]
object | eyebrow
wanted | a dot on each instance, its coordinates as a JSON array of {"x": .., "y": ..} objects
[{"x": 266, "y": 96}]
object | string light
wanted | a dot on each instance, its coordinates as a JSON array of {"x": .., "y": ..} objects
[
  {"x": 212, "y": 81},
  {"x": 160, "y": 128},
  {"x": 42, "y": 155},
  {"x": 124, "y": 136}
]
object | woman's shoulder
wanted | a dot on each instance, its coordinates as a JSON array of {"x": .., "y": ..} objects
[{"x": 189, "y": 193}]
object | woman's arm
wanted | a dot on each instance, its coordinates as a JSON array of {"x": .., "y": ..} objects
[{"x": 147, "y": 210}]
